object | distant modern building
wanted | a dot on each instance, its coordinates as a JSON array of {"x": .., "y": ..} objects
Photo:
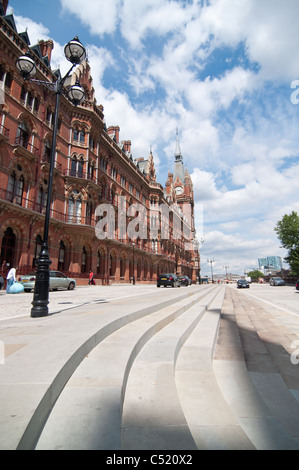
[{"x": 271, "y": 262}]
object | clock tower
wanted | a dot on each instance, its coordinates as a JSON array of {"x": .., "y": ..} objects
[
  {"x": 179, "y": 187},
  {"x": 179, "y": 192}
]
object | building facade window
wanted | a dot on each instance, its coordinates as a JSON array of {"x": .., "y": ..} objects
[
  {"x": 77, "y": 167},
  {"x": 16, "y": 187},
  {"x": 47, "y": 152},
  {"x": 84, "y": 260},
  {"x": 88, "y": 211},
  {"x": 61, "y": 257},
  {"x": 74, "y": 208},
  {"x": 8, "y": 245},
  {"x": 23, "y": 135},
  {"x": 37, "y": 249},
  {"x": 41, "y": 198}
]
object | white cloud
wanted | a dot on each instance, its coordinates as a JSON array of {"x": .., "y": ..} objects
[
  {"x": 36, "y": 31},
  {"x": 157, "y": 17},
  {"x": 204, "y": 186},
  {"x": 269, "y": 31},
  {"x": 100, "y": 16},
  {"x": 235, "y": 251}
]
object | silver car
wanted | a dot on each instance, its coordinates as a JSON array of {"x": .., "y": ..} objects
[
  {"x": 58, "y": 280},
  {"x": 277, "y": 281}
]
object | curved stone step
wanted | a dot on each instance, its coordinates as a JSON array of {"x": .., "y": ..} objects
[
  {"x": 87, "y": 414},
  {"x": 258, "y": 398},
  {"x": 51, "y": 350},
  {"x": 152, "y": 414},
  {"x": 210, "y": 419}
]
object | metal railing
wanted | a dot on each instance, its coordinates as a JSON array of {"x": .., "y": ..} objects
[{"x": 20, "y": 140}]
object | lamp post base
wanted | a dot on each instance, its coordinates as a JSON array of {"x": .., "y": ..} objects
[{"x": 42, "y": 283}]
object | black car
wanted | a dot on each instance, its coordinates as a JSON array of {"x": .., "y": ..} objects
[
  {"x": 184, "y": 280},
  {"x": 242, "y": 283},
  {"x": 297, "y": 285},
  {"x": 168, "y": 280},
  {"x": 1, "y": 282}
]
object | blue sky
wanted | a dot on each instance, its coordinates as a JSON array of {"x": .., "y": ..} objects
[{"x": 218, "y": 70}]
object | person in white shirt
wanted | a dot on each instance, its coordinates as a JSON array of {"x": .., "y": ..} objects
[{"x": 11, "y": 278}]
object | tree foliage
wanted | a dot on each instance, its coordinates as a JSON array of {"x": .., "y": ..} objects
[
  {"x": 255, "y": 275},
  {"x": 287, "y": 230}
]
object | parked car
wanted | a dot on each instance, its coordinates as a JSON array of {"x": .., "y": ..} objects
[
  {"x": 184, "y": 280},
  {"x": 297, "y": 285},
  {"x": 2, "y": 283},
  {"x": 58, "y": 280},
  {"x": 242, "y": 283},
  {"x": 277, "y": 281},
  {"x": 168, "y": 280}
]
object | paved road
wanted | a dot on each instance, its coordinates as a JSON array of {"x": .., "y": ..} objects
[{"x": 283, "y": 297}]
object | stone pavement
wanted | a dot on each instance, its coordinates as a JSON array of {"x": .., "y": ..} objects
[
  {"x": 19, "y": 305},
  {"x": 136, "y": 367}
]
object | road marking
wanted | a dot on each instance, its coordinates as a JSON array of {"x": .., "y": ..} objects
[{"x": 273, "y": 305}]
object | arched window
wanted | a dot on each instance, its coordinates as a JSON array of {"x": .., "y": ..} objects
[
  {"x": 76, "y": 135},
  {"x": 47, "y": 152},
  {"x": 36, "y": 105},
  {"x": 77, "y": 166},
  {"x": 23, "y": 93},
  {"x": 84, "y": 260},
  {"x": 88, "y": 211},
  {"x": 75, "y": 208},
  {"x": 41, "y": 198},
  {"x": 112, "y": 265},
  {"x": 122, "y": 267},
  {"x": 8, "y": 248},
  {"x": 90, "y": 170},
  {"x": 61, "y": 256},
  {"x": 80, "y": 167},
  {"x": 16, "y": 187},
  {"x": 82, "y": 137},
  {"x": 8, "y": 80},
  {"x": 74, "y": 166},
  {"x": 37, "y": 249},
  {"x": 5, "y": 77},
  {"x": 98, "y": 262},
  {"x": 23, "y": 135}
]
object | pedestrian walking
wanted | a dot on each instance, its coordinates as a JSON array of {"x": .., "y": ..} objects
[
  {"x": 11, "y": 278},
  {"x": 91, "y": 279}
]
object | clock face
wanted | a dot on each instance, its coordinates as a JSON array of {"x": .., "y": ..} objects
[{"x": 179, "y": 190}]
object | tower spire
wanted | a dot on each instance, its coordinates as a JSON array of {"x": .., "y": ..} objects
[
  {"x": 178, "y": 152},
  {"x": 178, "y": 164}
]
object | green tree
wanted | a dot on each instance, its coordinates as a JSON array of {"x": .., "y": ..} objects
[
  {"x": 255, "y": 275},
  {"x": 287, "y": 230}
]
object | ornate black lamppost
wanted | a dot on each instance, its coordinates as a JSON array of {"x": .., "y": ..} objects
[
  {"x": 75, "y": 53},
  {"x": 197, "y": 245},
  {"x": 133, "y": 279},
  {"x": 211, "y": 261}
]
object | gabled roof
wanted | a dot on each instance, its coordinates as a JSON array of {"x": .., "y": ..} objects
[
  {"x": 24, "y": 36},
  {"x": 10, "y": 20}
]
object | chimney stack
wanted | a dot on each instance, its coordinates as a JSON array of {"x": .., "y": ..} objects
[
  {"x": 113, "y": 132},
  {"x": 127, "y": 146},
  {"x": 46, "y": 48},
  {"x": 4, "y": 5}
]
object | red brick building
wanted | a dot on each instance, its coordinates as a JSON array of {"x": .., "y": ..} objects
[{"x": 92, "y": 167}]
